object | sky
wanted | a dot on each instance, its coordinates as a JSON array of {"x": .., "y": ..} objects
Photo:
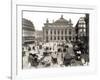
[{"x": 39, "y": 18}]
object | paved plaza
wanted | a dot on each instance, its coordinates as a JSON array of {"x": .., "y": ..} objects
[{"x": 52, "y": 54}]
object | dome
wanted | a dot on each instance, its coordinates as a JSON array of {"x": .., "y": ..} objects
[{"x": 61, "y": 21}]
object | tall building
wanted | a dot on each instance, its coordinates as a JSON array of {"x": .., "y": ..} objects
[
  {"x": 28, "y": 30},
  {"x": 59, "y": 30},
  {"x": 82, "y": 31},
  {"x": 81, "y": 28}
]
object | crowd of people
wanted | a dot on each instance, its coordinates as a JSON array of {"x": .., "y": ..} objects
[{"x": 54, "y": 54}]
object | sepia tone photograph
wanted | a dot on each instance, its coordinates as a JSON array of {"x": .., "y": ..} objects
[{"x": 54, "y": 39}]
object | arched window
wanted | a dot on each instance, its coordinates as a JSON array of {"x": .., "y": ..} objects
[
  {"x": 66, "y": 31},
  {"x": 69, "y": 37},
  {"x": 51, "y": 31},
  {"x": 70, "y": 32},
  {"x": 58, "y": 37},
  {"x": 65, "y": 37},
  {"x": 54, "y": 31},
  {"x": 51, "y": 37},
  {"x": 62, "y": 37},
  {"x": 54, "y": 37}
]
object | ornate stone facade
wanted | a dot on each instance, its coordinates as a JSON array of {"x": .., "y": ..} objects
[{"x": 59, "y": 30}]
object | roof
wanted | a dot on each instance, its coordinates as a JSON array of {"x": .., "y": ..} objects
[
  {"x": 27, "y": 24},
  {"x": 61, "y": 21}
]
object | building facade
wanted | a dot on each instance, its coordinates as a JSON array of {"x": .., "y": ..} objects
[
  {"x": 59, "y": 30},
  {"x": 39, "y": 36},
  {"x": 81, "y": 28},
  {"x": 28, "y": 30}
]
